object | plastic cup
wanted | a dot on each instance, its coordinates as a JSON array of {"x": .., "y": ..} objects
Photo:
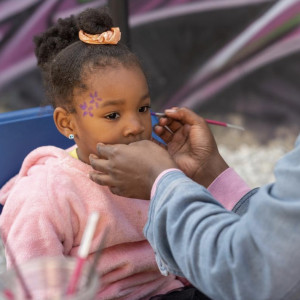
[{"x": 47, "y": 278}]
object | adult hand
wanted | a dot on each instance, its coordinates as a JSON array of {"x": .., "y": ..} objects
[
  {"x": 192, "y": 146},
  {"x": 130, "y": 170}
]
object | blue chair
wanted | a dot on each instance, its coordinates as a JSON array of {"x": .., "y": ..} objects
[
  {"x": 24, "y": 130},
  {"x": 21, "y": 132}
]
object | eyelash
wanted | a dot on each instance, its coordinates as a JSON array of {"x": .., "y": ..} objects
[
  {"x": 110, "y": 116},
  {"x": 145, "y": 106},
  {"x": 115, "y": 115}
]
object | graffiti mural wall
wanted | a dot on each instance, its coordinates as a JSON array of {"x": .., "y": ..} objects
[
  {"x": 20, "y": 21},
  {"x": 211, "y": 55}
]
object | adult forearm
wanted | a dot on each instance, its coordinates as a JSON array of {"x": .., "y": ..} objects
[{"x": 224, "y": 255}]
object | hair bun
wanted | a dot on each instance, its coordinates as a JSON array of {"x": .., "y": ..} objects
[
  {"x": 56, "y": 38},
  {"x": 94, "y": 21}
]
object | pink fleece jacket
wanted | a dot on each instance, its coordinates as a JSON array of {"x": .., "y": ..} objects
[{"x": 46, "y": 209}]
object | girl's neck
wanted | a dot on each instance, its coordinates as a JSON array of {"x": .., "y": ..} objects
[{"x": 81, "y": 157}]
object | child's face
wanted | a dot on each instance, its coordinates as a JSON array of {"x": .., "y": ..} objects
[{"x": 115, "y": 109}]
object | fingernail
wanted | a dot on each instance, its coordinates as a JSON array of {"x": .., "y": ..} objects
[
  {"x": 99, "y": 146},
  {"x": 170, "y": 110},
  {"x": 92, "y": 157}
]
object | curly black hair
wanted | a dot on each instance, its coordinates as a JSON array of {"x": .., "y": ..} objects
[{"x": 64, "y": 59}]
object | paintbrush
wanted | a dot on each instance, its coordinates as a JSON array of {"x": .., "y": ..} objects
[{"x": 212, "y": 122}]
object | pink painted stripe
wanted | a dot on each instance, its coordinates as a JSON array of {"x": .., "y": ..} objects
[{"x": 284, "y": 17}]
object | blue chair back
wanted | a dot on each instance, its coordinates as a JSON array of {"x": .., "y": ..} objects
[
  {"x": 24, "y": 130},
  {"x": 21, "y": 132}
]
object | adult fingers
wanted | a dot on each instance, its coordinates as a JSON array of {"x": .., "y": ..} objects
[
  {"x": 163, "y": 133},
  {"x": 166, "y": 128},
  {"x": 173, "y": 124},
  {"x": 184, "y": 116},
  {"x": 116, "y": 190},
  {"x": 99, "y": 164},
  {"x": 105, "y": 151},
  {"x": 101, "y": 179}
]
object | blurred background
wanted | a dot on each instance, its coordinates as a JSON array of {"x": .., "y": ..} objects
[{"x": 235, "y": 61}]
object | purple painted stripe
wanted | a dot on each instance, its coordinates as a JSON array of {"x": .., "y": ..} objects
[
  {"x": 67, "y": 11},
  {"x": 209, "y": 69},
  {"x": 287, "y": 46},
  {"x": 4, "y": 28},
  {"x": 68, "y": 4},
  {"x": 18, "y": 69},
  {"x": 150, "y": 5},
  {"x": 185, "y": 9},
  {"x": 21, "y": 45},
  {"x": 285, "y": 16},
  {"x": 141, "y": 7},
  {"x": 13, "y": 7}
]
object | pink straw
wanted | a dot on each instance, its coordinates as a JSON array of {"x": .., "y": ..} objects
[
  {"x": 7, "y": 293},
  {"x": 83, "y": 251},
  {"x": 213, "y": 122}
]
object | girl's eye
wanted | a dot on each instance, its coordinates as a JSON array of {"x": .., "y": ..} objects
[
  {"x": 112, "y": 116},
  {"x": 144, "y": 108}
]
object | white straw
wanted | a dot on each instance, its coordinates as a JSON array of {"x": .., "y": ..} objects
[{"x": 88, "y": 235}]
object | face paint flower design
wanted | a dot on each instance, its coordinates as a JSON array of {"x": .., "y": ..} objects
[{"x": 87, "y": 107}]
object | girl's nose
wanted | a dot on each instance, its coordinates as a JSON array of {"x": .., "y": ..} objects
[{"x": 134, "y": 126}]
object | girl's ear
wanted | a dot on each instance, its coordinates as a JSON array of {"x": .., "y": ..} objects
[{"x": 64, "y": 122}]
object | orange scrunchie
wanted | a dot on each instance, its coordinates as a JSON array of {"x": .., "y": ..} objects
[{"x": 111, "y": 36}]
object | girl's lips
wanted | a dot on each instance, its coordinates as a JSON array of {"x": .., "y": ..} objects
[{"x": 136, "y": 140}]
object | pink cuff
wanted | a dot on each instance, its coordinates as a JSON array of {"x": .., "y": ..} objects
[
  {"x": 228, "y": 188},
  {"x": 153, "y": 190}
]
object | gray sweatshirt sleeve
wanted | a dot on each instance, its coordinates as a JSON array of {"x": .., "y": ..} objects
[{"x": 225, "y": 255}]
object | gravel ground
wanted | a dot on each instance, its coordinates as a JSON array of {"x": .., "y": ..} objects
[
  {"x": 254, "y": 152},
  {"x": 252, "y": 157},
  {"x": 254, "y": 164}
]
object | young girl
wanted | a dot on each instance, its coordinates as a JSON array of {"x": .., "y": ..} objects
[{"x": 100, "y": 94}]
